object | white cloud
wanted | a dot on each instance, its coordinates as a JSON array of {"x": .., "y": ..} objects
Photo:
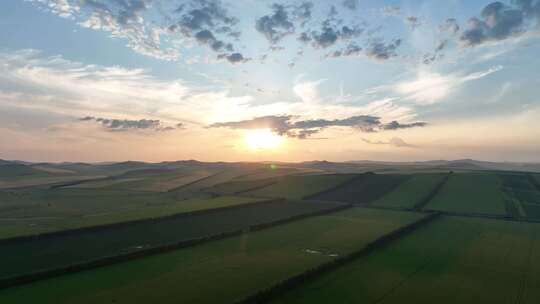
[{"x": 432, "y": 87}]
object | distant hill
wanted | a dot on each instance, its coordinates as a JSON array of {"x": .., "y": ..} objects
[{"x": 9, "y": 169}]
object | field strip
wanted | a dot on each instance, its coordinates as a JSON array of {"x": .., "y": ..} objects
[
  {"x": 195, "y": 182},
  {"x": 120, "y": 224},
  {"x": 264, "y": 296},
  {"x": 110, "y": 260},
  {"x": 421, "y": 204},
  {"x": 459, "y": 214},
  {"x": 350, "y": 181}
]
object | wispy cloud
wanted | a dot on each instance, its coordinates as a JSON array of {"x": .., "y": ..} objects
[{"x": 432, "y": 87}]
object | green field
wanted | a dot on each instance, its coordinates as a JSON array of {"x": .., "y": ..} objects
[
  {"x": 523, "y": 193},
  {"x": 452, "y": 260},
  {"x": 473, "y": 193},
  {"x": 297, "y": 187},
  {"x": 53, "y": 252},
  {"x": 410, "y": 192},
  {"x": 239, "y": 186},
  {"x": 221, "y": 271},
  {"x": 365, "y": 188}
]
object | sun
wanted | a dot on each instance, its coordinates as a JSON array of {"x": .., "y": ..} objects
[{"x": 262, "y": 139}]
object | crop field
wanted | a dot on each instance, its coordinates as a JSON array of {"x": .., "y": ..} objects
[
  {"x": 410, "y": 192},
  {"x": 35, "y": 212},
  {"x": 471, "y": 193},
  {"x": 192, "y": 232},
  {"x": 222, "y": 271},
  {"x": 297, "y": 187},
  {"x": 23, "y": 257},
  {"x": 524, "y": 194},
  {"x": 240, "y": 186},
  {"x": 365, "y": 188},
  {"x": 451, "y": 260}
]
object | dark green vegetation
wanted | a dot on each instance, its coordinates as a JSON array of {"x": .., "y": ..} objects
[
  {"x": 452, "y": 260},
  {"x": 221, "y": 271},
  {"x": 362, "y": 189},
  {"x": 523, "y": 195},
  {"x": 297, "y": 187},
  {"x": 191, "y": 232},
  {"x": 472, "y": 193},
  {"x": 409, "y": 193}
]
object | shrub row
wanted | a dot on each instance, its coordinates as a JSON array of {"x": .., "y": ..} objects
[{"x": 422, "y": 203}]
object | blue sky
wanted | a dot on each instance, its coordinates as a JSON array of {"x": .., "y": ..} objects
[{"x": 157, "y": 80}]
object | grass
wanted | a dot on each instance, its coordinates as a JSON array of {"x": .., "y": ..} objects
[
  {"x": 473, "y": 193},
  {"x": 453, "y": 260},
  {"x": 53, "y": 252},
  {"x": 363, "y": 189},
  {"x": 221, "y": 271},
  {"x": 298, "y": 187},
  {"x": 410, "y": 192}
]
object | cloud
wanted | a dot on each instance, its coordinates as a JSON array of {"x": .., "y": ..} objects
[
  {"x": 290, "y": 126},
  {"x": 276, "y": 25},
  {"x": 153, "y": 28},
  {"x": 430, "y": 88},
  {"x": 352, "y": 50},
  {"x": 499, "y": 21},
  {"x": 234, "y": 58},
  {"x": 382, "y": 51},
  {"x": 128, "y": 124},
  {"x": 331, "y": 31},
  {"x": 450, "y": 25},
  {"x": 394, "y": 141},
  {"x": 350, "y": 4}
]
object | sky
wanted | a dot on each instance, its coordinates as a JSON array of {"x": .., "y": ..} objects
[{"x": 257, "y": 80}]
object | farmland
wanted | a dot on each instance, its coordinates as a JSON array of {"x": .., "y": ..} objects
[
  {"x": 410, "y": 192},
  {"x": 453, "y": 260},
  {"x": 457, "y": 195},
  {"x": 362, "y": 189},
  {"x": 220, "y": 271},
  {"x": 318, "y": 232},
  {"x": 297, "y": 187},
  {"x": 22, "y": 257}
]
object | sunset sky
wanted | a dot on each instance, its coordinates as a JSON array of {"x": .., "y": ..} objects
[{"x": 250, "y": 80}]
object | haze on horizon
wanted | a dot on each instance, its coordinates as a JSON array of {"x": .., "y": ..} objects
[{"x": 223, "y": 80}]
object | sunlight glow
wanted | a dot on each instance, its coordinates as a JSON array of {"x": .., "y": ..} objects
[{"x": 262, "y": 139}]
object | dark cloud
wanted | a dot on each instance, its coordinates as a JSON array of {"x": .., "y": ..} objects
[
  {"x": 234, "y": 58},
  {"x": 436, "y": 55},
  {"x": 276, "y": 25},
  {"x": 498, "y": 21},
  {"x": 352, "y": 50},
  {"x": 127, "y": 124},
  {"x": 530, "y": 9},
  {"x": 331, "y": 32},
  {"x": 203, "y": 20},
  {"x": 381, "y": 51},
  {"x": 450, "y": 25},
  {"x": 286, "y": 125},
  {"x": 350, "y": 4},
  {"x": 205, "y": 37}
]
